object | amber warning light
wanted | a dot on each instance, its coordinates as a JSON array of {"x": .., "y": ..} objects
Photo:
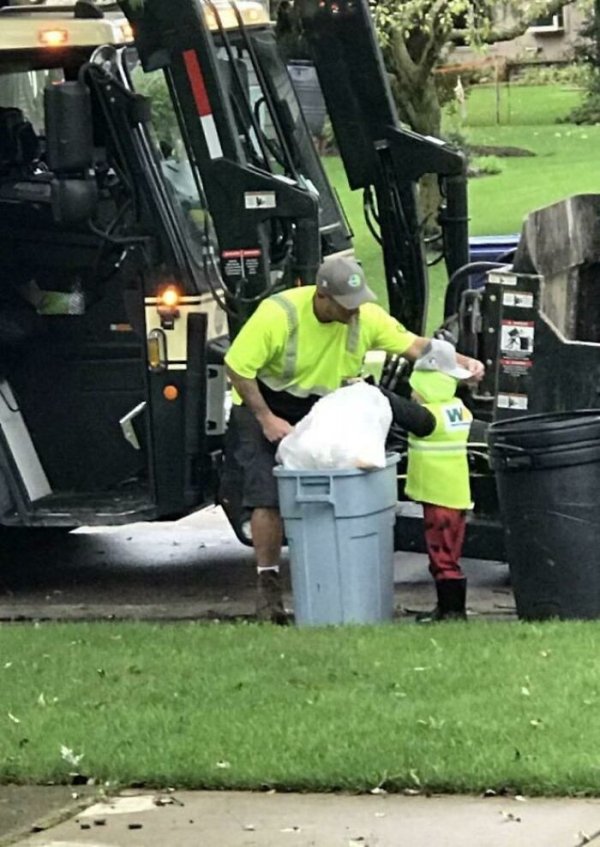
[
  {"x": 169, "y": 297},
  {"x": 168, "y": 302},
  {"x": 53, "y": 37}
]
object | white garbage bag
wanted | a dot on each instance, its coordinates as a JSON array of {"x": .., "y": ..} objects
[{"x": 345, "y": 429}]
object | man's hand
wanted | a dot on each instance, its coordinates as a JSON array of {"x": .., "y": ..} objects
[
  {"x": 274, "y": 428},
  {"x": 474, "y": 366}
]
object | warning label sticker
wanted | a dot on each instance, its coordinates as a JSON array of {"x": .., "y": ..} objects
[
  {"x": 241, "y": 263},
  {"x": 511, "y": 401},
  {"x": 502, "y": 279},
  {"x": 520, "y": 300},
  {"x": 260, "y": 200},
  {"x": 517, "y": 337},
  {"x": 515, "y": 367}
]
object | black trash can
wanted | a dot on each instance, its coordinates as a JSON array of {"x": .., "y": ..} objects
[{"x": 547, "y": 470}]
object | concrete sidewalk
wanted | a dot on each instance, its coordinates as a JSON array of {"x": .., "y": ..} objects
[{"x": 240, "y": 819}]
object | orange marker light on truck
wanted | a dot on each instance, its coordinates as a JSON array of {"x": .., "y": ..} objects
[
  {"x": 170, "y": 392},
  {"x": 53, "y": 37}
]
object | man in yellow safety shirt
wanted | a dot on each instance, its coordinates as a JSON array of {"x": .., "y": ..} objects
[
  {"x": 298, "y": 346},
  {"x": 438, "y": 475}
]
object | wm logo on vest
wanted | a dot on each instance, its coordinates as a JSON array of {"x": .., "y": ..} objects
[{"x": 456, "y": 417}]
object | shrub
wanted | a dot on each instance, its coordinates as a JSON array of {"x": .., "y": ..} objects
[
  {"x": 574, "y": 75},
  {"x": 485, "y": 166},
  {"x": 588, "y": 112}
]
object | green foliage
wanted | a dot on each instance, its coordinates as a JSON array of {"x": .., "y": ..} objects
[
  {"x": 153, "y": 86},
  {"x": 572, "y": 74},
  {"x": 588, "y": 112},
  {"x": 419, "y": 21},
  {"x": 486, "y": 166},
  {"x": 588, "y": 52}
]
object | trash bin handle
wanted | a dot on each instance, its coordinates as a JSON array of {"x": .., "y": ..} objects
[
  {"x": 510, "y": 448},
  {"x": 303, "y": 496},
  {"x": 520, "y": 459}
]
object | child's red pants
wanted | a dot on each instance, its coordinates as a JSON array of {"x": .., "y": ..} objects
[{"x": 444, "y": 536}]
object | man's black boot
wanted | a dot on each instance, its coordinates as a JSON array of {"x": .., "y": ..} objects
[{"x": 451, "y": 598}]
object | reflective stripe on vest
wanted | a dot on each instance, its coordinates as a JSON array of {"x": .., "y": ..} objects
[
  {"x": 290, "y": 355},
  {"x": 291, "y": 350},
  {"x": 438, "y": 470},
  {"x": 437, "y": 447}
]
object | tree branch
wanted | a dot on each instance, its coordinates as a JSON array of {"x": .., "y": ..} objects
[{"x": 523, "y": 22}]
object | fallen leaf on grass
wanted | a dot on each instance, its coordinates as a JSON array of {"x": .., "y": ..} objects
[
  {"x": 13, "y": 718},
  {"x": 70, "y": 756}
]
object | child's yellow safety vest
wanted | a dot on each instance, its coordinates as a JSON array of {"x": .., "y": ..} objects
[{"x": 438, "y": 471}]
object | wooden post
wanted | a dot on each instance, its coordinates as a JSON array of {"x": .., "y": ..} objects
[{"x": 497, "y": 75}]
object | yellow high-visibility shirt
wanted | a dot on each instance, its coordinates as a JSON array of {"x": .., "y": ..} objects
[{"x": 285, "y": 346}]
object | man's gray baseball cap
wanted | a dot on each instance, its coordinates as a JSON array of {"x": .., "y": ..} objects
[{"x": 343, "y": 280}]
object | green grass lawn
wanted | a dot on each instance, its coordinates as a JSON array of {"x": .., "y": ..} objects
[
  {"x": 449, "y": 708},
  {"x": 567, "y": 162}
]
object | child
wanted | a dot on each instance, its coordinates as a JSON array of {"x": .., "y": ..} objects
[{"x": 438, "y": 475}]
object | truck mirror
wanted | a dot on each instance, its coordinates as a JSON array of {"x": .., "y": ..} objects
[
  {"x": 73, "y": 200},
  {"x": 68, "y": 116}
]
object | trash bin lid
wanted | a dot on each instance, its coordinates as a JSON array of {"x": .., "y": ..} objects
[{"x": 548, "y": 429}]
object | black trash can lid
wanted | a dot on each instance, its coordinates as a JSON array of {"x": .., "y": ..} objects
[{"x": 546, "y": 430}]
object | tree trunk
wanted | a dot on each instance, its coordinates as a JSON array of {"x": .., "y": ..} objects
[{"x": 419, "y": 107}]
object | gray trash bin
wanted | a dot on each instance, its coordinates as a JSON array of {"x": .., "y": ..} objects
[{"x": 340, "y": 530}]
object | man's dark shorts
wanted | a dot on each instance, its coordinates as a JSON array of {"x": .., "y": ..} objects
[{"x": 256, "y": 456}]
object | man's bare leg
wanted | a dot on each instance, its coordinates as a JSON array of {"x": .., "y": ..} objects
[{"x": 267, "y": 537}]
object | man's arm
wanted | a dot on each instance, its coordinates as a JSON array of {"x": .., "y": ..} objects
[{"x": 274, "y": 428}]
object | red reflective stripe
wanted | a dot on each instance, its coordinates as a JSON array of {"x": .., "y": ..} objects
[{"x": 196, "y": 79}]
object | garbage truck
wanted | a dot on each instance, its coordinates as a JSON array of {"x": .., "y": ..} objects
[
  {"x": 157, "y": 180},
  {"x": 125, "y": 266}
]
